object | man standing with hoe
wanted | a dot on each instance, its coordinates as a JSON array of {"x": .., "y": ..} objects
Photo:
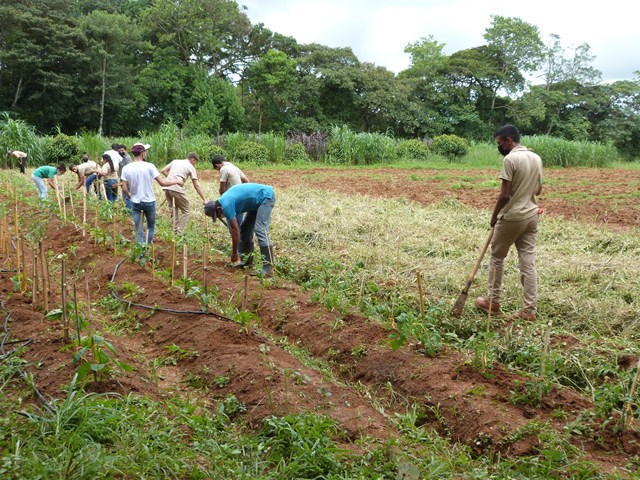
[{"x": 515, "y": 221}]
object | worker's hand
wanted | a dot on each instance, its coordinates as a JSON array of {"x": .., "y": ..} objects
[
  {"x": 494, "y": 220},
  {"x": 235, "y": 258}
]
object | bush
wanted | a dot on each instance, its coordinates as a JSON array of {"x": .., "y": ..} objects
[
  {"x": 315, "y": 143},
  {"x": 412, "y": 149},
  {"x": 211, "y": 151},
  {"x": 558, "y": 152},
  {"x": 450, "y": 146},
  {"x": 251, "y": 152},
  {"x": 295, "y": 153},
  {"x": 61, "y": 148}
]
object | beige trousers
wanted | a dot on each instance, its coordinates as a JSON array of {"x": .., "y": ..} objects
[
  {"x": 179, "y": 209},
  {"x": 523, "y": 234}
]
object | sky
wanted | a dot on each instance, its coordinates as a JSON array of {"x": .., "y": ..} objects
[{"x": 378, "y": 30}]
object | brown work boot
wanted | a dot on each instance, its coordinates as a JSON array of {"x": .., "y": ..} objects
[
  {"x": 528, "y": 315},
  {"x": 482, "y": 303}
]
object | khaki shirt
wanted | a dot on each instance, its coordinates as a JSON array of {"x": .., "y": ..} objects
[
  {"x": 523, "y": 169},
  {"x": 87, "y": 168},
  {"x": 180, "y": 169}
]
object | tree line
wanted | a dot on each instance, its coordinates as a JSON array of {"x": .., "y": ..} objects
[{"x": 119, "y": 67}]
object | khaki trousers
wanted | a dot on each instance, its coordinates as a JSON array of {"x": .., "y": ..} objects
[
  {"x": 178, "y": 208},
  {"x": 523, "y": 234}
]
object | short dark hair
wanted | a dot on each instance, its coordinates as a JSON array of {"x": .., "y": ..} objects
[
  {"x": 72, "y": 166},
  {"x": 217, "y": 160},
  {"x": 115, "y": 146},
  {"x": 508, "y": 131},
  {"x": 122, "y": 145},
  {"x": 193, "y": 155},
  {"x": 62, "y": 167}
]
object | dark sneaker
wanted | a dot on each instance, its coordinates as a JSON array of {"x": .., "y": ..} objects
[{"x": 482, "y": 303}]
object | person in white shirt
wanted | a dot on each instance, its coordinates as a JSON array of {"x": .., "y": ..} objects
[
  {"x": 230, "y": 175},
  {"x": 137, "y": 185},
  {"x": 176, "y": 195},
  {"x": 21, "y": 156}
]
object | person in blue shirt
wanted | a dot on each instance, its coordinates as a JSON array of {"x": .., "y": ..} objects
[{"x": 256, "y": 201}]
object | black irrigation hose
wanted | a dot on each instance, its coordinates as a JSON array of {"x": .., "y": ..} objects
[
  {"x": 8, "y": 271},
  {"x": 160, "y": 309},
  {"x": 4, "y": 355}
]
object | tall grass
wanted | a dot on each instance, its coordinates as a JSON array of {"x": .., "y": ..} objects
[
  {"x": 348, "y": 147},
  {"x": 164, "y": 144},
  {"x": 276, "y": 144},
  {"x": 232, "y": 142},
  {"x": 557, "y": 152},
  {"x": 18, "y": 135}
]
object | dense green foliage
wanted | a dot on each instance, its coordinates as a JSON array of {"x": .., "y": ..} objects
[
  {"x": 62, "y": 148},
  {"x": 450, "y": 146},
  {"x": 120, "y": 67}
]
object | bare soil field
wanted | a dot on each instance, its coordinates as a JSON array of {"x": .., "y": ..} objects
[{"x": 473, "y": 408}]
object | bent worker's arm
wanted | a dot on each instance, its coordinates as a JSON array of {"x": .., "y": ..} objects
[
  {"x": 168, "y": 183},
  {"x": 244, "y": 178},
  {"x": 196, "y": 185},
  {"x": 165, "y": 171},
  {"x": 503, "y": 198},
  {"x": 80, "y": 183},
  {"x": 539, "y": 187},
  {"x": 223, "y": 187},
  {"x": 52, "y": 184},
  {"x": 234, "y": 230}
]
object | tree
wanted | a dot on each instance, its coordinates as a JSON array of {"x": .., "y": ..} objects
[
  {"x": 42, "y": 56},
  {"x": 113, "y": 95},
  {"x": 272, "y": 82}
]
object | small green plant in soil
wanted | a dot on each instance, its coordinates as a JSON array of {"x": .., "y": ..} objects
[{"x": 177, "y": 354}]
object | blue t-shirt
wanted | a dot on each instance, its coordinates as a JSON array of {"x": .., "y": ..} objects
[{"x": 244, "y": 197}]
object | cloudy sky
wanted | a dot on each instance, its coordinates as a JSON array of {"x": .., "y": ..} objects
[{"x": 379, "y": 30}]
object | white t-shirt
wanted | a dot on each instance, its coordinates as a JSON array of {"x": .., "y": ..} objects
[
  {"x": 139, "y": 176},
  {"x": 180, "y": 169},
  {"x": 231, "y": 174}
]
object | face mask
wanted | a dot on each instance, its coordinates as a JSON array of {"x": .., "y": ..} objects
[
  {"x": 122, "y": 154},
  {"x": 503, "y": 151}
]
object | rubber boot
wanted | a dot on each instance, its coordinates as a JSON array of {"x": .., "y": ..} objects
[
  {"x": 267, "y": 260},
  {"x": 246, "y": 255}
]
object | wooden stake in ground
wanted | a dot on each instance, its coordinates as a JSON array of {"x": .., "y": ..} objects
[
  {"x": 84, "y": 211},
  {"x": 153, "y": 260},
  {"x": 173, "y": 261},
  {"x": 23, "y": 275},
  {"x": 545, "y": 348},
  {"x": 184, "y": 261},
  {"x": 45, "y": 277},
  {"x": 73, "y": 210},
  {"x": 35, "y": 298},
  {"x": 115, "y": 240},
  {"x": 204, "y": 269},
  {"x": 245, "y": 292},
  {"x": 15, "y": 223},
  {"x": 75, "y": 307},
  {"x": 55, "y": 182},
  {"x": 2, "y": 240},
  {"x": 64, "y": 204},
  {"x": 63, "y": 295},
  {"x": 420, "y": 293}
]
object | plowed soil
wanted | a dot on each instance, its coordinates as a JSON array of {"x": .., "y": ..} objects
[{"x": 472, "y": 407}]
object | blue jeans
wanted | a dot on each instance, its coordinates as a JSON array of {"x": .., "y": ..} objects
[
  {"x": 112, "y": 193},
  {"x": 258, "y": 221},
  {"x": 90, "y": 181},
  {"x": 148, "y": 209},
  {"x": 42, "y": 187}
]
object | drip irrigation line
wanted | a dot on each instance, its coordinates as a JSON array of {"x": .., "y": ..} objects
[
  {"x": 5, "y": 355},
  {"x": 161, "y": 309},
  {"x": 8, "y": 271}
]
